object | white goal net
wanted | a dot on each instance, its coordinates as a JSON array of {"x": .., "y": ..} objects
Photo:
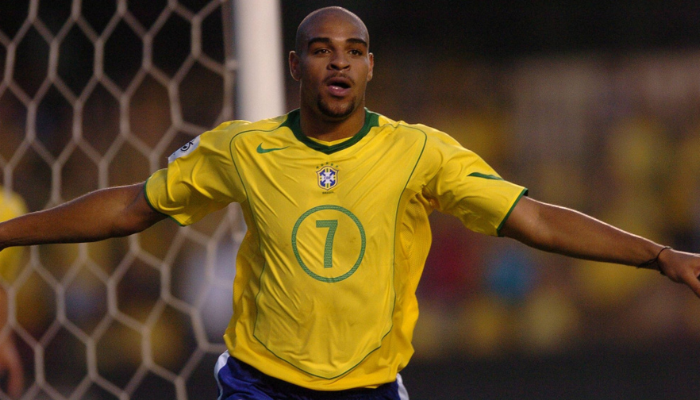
[{"x": 96, "y": 94}]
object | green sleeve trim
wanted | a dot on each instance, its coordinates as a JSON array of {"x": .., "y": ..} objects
[
  {"x": 485, "y": 176},
  {"x": 520, "y": 196},
  {"x": 293, "y": 122},
  {"x": 148, "y": 201}
]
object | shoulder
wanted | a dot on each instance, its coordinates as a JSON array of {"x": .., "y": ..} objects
[
  {"x": 220, "y": 139},
  {"x": 439, "y": 149},
  {"x": 240, "y": 126},
  {"x": 243, "y": 134},
  {"x": 433, "y": 137},
  {"x": 232, "y": 129}
]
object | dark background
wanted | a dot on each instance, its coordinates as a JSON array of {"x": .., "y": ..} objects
[
  {"x": 502, "y": 29},
  {"x": 499, "y": 34}
]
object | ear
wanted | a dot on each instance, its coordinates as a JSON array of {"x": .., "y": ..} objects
[
  {"x": 294, "y": 67},
  {"x": 370, "y": 73}
]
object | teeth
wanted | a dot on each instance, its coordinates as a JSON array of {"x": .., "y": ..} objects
[{"x": 339, "y": 83}]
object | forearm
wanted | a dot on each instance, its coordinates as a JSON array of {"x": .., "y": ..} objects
[
  {"x": 112, "y": 212},
  {"x": 564, "y": 231}
]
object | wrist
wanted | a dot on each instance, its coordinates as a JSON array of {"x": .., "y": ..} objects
[{"x": 655, "y": 263}]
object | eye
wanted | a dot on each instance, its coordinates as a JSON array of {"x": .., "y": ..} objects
[
  {"x": 321, "y": 51},
  {"x": 356, "y": 52}
]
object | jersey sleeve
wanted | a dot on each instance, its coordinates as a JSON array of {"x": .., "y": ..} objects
[
  {"x": 465, "y": 186},
  {"x": 200, "y": 178},
  {"x": 10, "y": 259}
]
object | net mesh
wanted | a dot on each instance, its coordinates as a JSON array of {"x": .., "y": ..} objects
[{"x": 95, "y": 94}]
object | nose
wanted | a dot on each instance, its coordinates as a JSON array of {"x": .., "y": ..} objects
[{"x": 339, "y": 61}]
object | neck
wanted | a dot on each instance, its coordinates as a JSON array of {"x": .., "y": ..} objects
[{"x": 330, "y": 130}]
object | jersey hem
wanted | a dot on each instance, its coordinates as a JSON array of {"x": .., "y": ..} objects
[
  {"x": 503, "y": 222},
  {"x": 320, "y": 376},
  {"x": 148, "y": 201}
]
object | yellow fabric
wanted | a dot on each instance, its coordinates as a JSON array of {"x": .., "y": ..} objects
[
  {"x": 11, "y": 206},
  {"x": 324, "y": 295}
]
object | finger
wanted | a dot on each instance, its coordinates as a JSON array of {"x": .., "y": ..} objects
[
  {"x": 15, "y": 384},
  {"x": 693, "y": 283},
  {"x": 11, "y": 364},
  {"x": 15, "y": 379}
]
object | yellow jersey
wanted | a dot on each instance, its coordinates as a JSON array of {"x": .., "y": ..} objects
[
  {"x": 11, "y": 206},
  {"x": 338, "y": 234}
]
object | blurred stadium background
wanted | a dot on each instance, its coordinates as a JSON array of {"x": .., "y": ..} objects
[{"x": 593, "y": 105}]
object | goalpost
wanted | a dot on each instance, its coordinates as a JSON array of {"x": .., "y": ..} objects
[{"x": 96, "y": 94}]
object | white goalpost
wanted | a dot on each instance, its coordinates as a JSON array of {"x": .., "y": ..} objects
[
  {"x": 98, "y": 94},
  {"x": 258, "y": 45}
]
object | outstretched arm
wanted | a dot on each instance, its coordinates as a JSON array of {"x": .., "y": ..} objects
[
  {"x": 112, "y": 212},
  {"x": 565, "y": 231}
]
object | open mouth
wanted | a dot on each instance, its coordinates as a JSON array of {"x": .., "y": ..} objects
[
  {"x": 339, "y": 86},
  {"x": 340, "y": 82}
]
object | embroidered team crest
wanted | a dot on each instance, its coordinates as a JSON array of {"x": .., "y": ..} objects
[{"x": 327, "y": 177}]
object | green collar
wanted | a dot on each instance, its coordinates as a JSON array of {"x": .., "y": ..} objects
[{"x": 293, "y": 122}]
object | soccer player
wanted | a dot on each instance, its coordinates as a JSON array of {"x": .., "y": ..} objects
[
  {"x": 336, "y": 199},
  {"x": 11, "y": 206}
]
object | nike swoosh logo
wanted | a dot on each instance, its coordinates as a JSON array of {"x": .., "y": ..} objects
[{"x": 262, "y": 151}]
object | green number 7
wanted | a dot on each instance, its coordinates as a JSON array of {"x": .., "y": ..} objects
[{"x": 332, "y": 225}]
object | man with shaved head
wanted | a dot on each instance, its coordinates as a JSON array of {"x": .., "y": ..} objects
[
  {"x": 336, "y": 199},
  {"x": 338, "y": 112}
]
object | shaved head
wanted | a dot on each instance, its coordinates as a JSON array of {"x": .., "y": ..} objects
[
  {"x": 333, "y": 64},
  {"x": 322, "y": 14}
]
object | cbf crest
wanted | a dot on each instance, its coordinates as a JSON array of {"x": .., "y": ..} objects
[{"x": 327, "y": 176}]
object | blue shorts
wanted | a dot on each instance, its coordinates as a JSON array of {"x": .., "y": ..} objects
[{"x": 240, "y": 381}]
